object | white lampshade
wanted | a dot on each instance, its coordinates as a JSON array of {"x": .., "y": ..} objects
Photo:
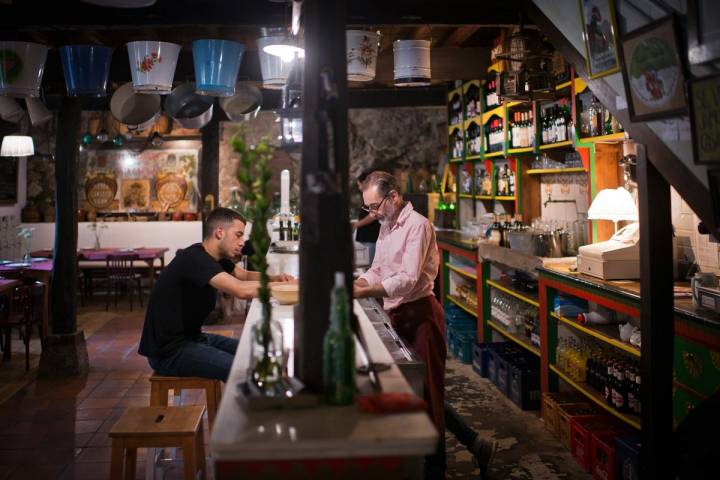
[
  {"x": 17, "y": 146},
  {"x": 615, "y": 204}
]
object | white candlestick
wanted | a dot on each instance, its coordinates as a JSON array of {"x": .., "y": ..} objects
[{"x": 285, "y": 192}]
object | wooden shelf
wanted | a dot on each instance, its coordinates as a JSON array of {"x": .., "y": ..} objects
[
  {"x": 495, "y": 154},
  {"x": 456, "y": 160},
  {"x": 455, "y": 126},
  {"x": 475, "y": 118},
  {"x": 505, "y": 199},
  {"x": 474, "y": 157},
  {"x": 513, "y": 338},
  {"x": 483, "y": 197},
  {"x": 563, "y": 85},
  {"x": 466, "y": 195},
  {"x": 550, "y": 146},
  {"x": 611, "y": 138},
  {"x": 602, "y": 333},
  {"x": 497, "y": 111},
  {"x": 495, "y": 67},
  {"x": 461, "y": 304},
  {"x": 630, "y": 419},
  {"x": 529, "y": 298},
  {"x": 546, "y": 171},
  {"x": 517, "y": 102},
  {"x": 516, "y": 151},
  {"x": 461, "y": 271}
]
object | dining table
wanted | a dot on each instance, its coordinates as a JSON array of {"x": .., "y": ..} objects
[{"x": 40, "y": 269}]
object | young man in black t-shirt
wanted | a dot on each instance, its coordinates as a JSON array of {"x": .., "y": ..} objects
[{"x": 184, "y": 295}]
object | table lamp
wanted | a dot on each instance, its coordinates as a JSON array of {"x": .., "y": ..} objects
[
  {"x": 615, "y": 204},
  {"x": 17, "y": 146}
]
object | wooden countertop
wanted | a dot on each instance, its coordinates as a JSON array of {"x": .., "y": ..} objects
[{"x": 457, "y": 239}]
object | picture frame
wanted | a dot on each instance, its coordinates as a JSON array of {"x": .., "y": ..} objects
[
  {"x": 9, "y": 179},
  {"x": 654, "y": 71},
  {"x": 600, "y": 34},
  {"x": 703, "y": 31},
  {"x": 704, "y": 102}
]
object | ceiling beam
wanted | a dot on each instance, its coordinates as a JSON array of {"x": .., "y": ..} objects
[{"x": 459, "y": 36}]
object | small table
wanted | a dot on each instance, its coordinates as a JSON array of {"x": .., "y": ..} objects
[
  {"x": 148, "y": 255},
  {"x": 41, "y": 271}
]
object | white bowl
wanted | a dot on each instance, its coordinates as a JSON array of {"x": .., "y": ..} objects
[{"x": 286, "y": 293}]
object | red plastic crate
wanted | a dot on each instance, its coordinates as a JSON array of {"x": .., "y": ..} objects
[
  {"x": 581, "y": 431},
  {"x": 602, "y": 456},
  {"x": 567, "y": 412}
]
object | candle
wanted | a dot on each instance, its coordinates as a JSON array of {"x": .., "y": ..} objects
[{"x": 285, "y": 192}]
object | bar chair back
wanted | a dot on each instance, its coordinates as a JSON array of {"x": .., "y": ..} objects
[
  {"x": 20, "y": 317},
  {"x": 121, "y": 274}
]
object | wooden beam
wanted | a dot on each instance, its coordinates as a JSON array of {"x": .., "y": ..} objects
[
  {"x": 459, "y": 36},
  {"x": 397, "y": 97},
  {"x": 447, "y": 63},
  {"x": 690, "y": 188},
  {"x": 656, "y": 320},
  {"x": 325, "y": 235},
  {"x": 210, "y": 155}
]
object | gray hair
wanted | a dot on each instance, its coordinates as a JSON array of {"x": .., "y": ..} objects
[{"x": 384, "y": 182}]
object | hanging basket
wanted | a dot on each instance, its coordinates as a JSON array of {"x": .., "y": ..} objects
[
  {"x": 21, "y": 68},
  {"x": 361, "y": 50},
  {"x": 86, "y": 69},
  {"x": 274, "y": 69},
  {"x": 216, "y": 66},
  {"x": 412, "y": 63},
  {"x": 152, "y": 65}
]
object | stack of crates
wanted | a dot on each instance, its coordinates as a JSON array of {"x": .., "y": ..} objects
[
  {"x": 514, "y": 370},
  {"x": 460, "y": 333}
]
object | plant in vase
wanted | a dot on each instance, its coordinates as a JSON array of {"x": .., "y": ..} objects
[
  {"x": 25, "y": 234},
  {"x": 97, "y": 229},
  {"x": 266, "y": 368}
]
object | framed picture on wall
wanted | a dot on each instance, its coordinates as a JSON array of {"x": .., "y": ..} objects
[
  {"x": 600, "y": 37},
  {"x": 703, "y": 31},
  {"x": 705, "y": 119},
  {"x": 9, "y": 172},
  {"x": 653, "y": 71}
]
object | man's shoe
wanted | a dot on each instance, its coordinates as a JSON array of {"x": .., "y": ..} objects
[{"x": 483, "y": 453}]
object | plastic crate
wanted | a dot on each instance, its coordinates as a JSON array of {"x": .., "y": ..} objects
[
  {"x": 627, "y": 458},
  {"x": 479, "y": 362},
  {"x": 569, "y": 411},
  {"x": 581, "y": 432},
  {"x": 602, "y": 456},
  {"x": 551, "y": 401},
  {"x": 524, "y": 384},
  {"x": 501, "y": 375},
  {"x": 464, "y": 341}
]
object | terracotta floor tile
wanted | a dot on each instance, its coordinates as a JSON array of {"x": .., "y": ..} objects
[
  {"x": 87, "y": 471},
  {"x": 100, "y": 439},
  {"x": 108, "y": 392},
  {"x": 21, "y": 441},
  {"x": 137, "y": 401},
  {"x": 94, "y": 454},
  {"x": 77, "y": 440},
  {"x": 99, "y": 402},
  {"x": 107, "y": 425},
  {"x": 93, "y": 413},
  {"x": 37, "y": 472}
]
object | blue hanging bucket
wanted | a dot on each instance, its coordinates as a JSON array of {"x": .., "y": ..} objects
[
  {"x": 216, "y": 66},
  {"x": 86, "y": 69}
]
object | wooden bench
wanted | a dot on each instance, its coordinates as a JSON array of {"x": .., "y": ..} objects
[
  {"x": 160, "y": 389},
  {"x": 156, "y": 427}
]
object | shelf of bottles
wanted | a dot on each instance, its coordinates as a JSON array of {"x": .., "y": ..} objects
[
  {"x": 521, "y": 128},
  {"x": 473, "y": 138},
  {"x": 456, "y": 147},
  {"x": 595, "y": 122},
  {"x": 572, "y": 162},
  {"x": 556, "y": 123},
  {"x": 456, "y": 144},
  {"x": 515, "y": 320},
  {"x": 484, "y": 180},
  {"x": 610, "y": 379}
]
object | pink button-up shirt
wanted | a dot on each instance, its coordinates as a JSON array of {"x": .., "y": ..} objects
[{"x": 406, "y": 259}]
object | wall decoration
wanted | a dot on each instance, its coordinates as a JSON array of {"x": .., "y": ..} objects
[
  {"x": 171, "y": 189},
  {"x": 135, "y": 194},
  {"x": 100, "y": 190},
  {"x": 703, "y": 31},
  {"x": 653, "y": 71},
  {"x": 600, "y": 35},
  {"x": 8, "y": 180},
  {"x": 705, "y": 119}
]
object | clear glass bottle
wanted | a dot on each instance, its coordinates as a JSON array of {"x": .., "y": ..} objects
[{"x": 267, "y": 355}]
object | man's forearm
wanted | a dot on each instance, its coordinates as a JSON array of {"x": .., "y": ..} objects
[{"x": 374, "y": 290}]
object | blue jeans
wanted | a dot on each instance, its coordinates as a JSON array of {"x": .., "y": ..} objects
[
  {"x": 371, "y": 250},
  {"x": 210, "y": 356}
]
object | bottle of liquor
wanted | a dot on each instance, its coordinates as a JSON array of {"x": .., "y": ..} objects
[
  {"x": 339, "y": 349},
  {"x": 281, "y": 231},
  {"x": 607, "y": 387},
  {"x": 511, "y": 183},
  {"x": 595, "y": 115}
]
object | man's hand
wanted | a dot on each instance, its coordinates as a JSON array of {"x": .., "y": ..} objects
[
  {"x": 361, "y": 289},
  {"x": 282, "y": 277},
  {"x": 360, "y": 282}
]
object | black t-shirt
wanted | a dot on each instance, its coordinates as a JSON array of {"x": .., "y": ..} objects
[
  {"x": 368, "y": 233},
  {"x": 181, "y": 301}
]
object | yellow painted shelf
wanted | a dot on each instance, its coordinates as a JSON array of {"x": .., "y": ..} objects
[
  {"x": 544, "y": 171},
  {"x": 475, "y": 118},
  {"x": 455, "y": 126},
  {"x": 495, "y": 154},
  {"x": 563, "y": 85},
  {"x": 520, "y": 341},
  {"x": 460, "y": 270},
  {"x": 516, "y": 103},
  {"x": 483, "y": 197},
  {"x": 495, "y": 67},
  {"x": 466, "y": 195},
  {"x": 474, "y": 157},
  {"x": 580, "y": 85},
  {"x": 499, "y": 111},
  {"x": 612, "y": 138},
  {"x": 550, "y": 146},
  {"x": 456, "y": 160},
  {"x": 595, "y": 332},
  {"x": 632, "y": 420},
  {"x": 510, "y": 291},
  {"x": 461, "y": 304},
  {"x": 515, "y": 151},
  {"x": 504, "y": 199},
  {"x": 454, "y": 91}
]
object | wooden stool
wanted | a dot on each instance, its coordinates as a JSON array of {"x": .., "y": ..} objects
[
  {"x": 160, "y": 387},
  {"x": 153, "y": 427}
]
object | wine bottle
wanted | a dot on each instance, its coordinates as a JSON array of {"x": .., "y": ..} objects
[{"x": 339, "y": 349}]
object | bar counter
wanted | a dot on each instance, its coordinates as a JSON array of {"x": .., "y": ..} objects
[{"x": 248, "y": 441}]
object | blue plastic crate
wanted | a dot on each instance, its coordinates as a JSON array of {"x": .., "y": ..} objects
[
  {"x": 627, "y": 458},
  {"x": 464, "y": 341},
  {"x": 501, "y": 375},
  {"x": 524, "y": 383}
]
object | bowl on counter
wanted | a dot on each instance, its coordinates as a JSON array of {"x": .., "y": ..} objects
[{"x": 286, "y": 293}]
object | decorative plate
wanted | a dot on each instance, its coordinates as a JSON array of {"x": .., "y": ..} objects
[
  {"x": 171, "y": 188},
  {"x": 100, "y": 191}
]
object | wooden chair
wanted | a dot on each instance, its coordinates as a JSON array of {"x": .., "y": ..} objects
[
  {"x": 157, "y": 427},
  {"x": 121, "y": 273},
  {"x": 21, "y": 317}
]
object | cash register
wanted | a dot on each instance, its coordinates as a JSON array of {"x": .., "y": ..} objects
[{"x": 614, "y": 259}]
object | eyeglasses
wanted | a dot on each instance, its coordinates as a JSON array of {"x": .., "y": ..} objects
[{"x": 375, "y": 206}]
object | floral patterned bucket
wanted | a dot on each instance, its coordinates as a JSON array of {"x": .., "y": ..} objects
[
  {"x": 21, "y": 68},
  {"x": 362, "y": 50},
  {"x": 152, "y": 65}
]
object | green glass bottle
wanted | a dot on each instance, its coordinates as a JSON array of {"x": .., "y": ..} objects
[{"x": 339, "y": 349}]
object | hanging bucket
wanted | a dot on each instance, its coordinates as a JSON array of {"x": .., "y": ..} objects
[
  {"x": 244, "y": 105},
  {"x": 37, "y": 111},
  {"x": 21, "y": 68},
  {"x": 412, "y": 63},
  {"x": 137, "y": 111},
  {"x": 152, "y": 65},
  {"x": 86, "y": 69},
  {"x": 10, "y": 110},
  {"x": 216, "y": 66},
  {"x": 188, "y": 108},
  {"x": 362, "y": 50},
  {"x": 274, "y": 69}
]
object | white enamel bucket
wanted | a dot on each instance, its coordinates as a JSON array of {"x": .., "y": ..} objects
[
  {"x": 137, "y": 111},
  {"x": 152, "y": 65},
  {"x": 21, "y": 68},
  {"x": 362, "y": 49},
  {"x": 412, "y": 63}
]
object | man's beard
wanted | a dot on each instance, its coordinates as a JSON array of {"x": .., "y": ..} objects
[{"x": 389, "y": 214}]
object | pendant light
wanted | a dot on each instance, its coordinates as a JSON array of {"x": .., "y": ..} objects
[
  {"x": 17, "y": 146},
  {"x": 278, "y": 54}
]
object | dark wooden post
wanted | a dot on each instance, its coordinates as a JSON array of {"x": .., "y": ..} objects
[
  {"x": 64, "y": 351},
  {"x": 656, "y": 319},
  {"x": 325, "y": 235},
  {"x": 210, "y": 163}
]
